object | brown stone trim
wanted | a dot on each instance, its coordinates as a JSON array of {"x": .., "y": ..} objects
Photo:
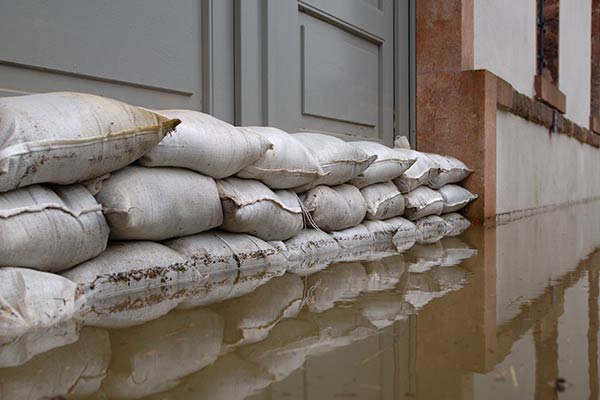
[
  {"x": 539, "y": 113},
  {"x": 595, "y": 124},
  {"x": 548, "y": 93},
  {"x": 595, "y": 83}
]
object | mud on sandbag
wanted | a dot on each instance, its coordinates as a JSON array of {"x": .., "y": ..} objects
[
  {"x": 249, "y": 206},
  {"x": 384, "y": 201},
  {"x": 420, "y": 173},
  {"x": 431, "y": 229},
  {"x": 50, "y": 229},
  {"x": 334, "y": 208},
  {"x": 456, "y": 224},
  {"x": 452, "y": 170},
  {"x": 206, "y": 145},
  {"x": 388, "y": 165},
  {"x": 423, "y": 202},
  {"x": 309, "y": 251},
  {"x": 65, "y": 138},
  {"x": 287, "y": 165},
  {"x": 159, "y": 203}
]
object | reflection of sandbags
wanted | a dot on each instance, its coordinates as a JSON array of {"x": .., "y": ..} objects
[
  {"x": 310, "y": 251},
  {"x": 287, "y": 165},
  {"x": 390, "y": 164},
  {"x": 15, "y": 351},
  {"x": 50, "y": 230},
  {"x": 66, "y": 137},
  {"x": 133, "y": 267},
  {"x": 383, "y": 309},
  {"x": 249, "y": 319},
  {"x": 431, "y": 229},
  {"x": 421, "y": 288},
  {"x": 31, "y": 300},
  {"x": 207, "y": 145},
  {"x": 75, "y": 371},
  {"x": 339, "y": 282},
  {"x": 420, "y": 173},
  {"x": 456, "y": 251},
  {"x": 455, "y": 224},
  {"x": 251, "y": 207},
  {"x": 384, "y": 274},
  {"x": 153, "y": 358},
  {"x": 452, "y": 170},
  {"x": 339, "y": 160},
  {"x": 383, "y": 200},
  {"x": 423, "y": 202},
  {"x": 423, "y": 257},
  {"x": 335, "y": 208},
  {"x": 229, "y": 378},
  {"x": 449, "y": 278},
  {"x": 455, "y": 198},
  {"x": 159, "y": 203}
]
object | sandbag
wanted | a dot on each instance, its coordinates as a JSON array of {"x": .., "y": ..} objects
[
  {"x": 455, "y": 198},
  {"x": 339, "y": 160},
  {"x": 67, "y": 137},
  {"x": 251, "y": 207},
  {"x": 431, "y": 229},
  {"x": 335, "y": 208},
  {"x": 287, "y": 165},
  {"x": 33, "y": 300},
  {"x": 390, "y": 164},
  {"x": 384, "y": 201},
  {"x": 456, "y": 224},
  {"x": 159, "y": 203},
  {"x": 423, "y": 202},
  {"x": 50, "y": 229},
  {"x": 133, "y": 267},
  {"x": 339, "y": 282},
  {"x": 406, "y": 236},
  {"x": 420, "y": 173},
  {"x": 309, "y": 251},
  {"x": 452, "y": 170},
  {"x": 153, "y": 358},
  {"x": 206, "y": 145}
]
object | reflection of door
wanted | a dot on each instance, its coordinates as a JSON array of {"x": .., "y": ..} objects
[{"x": 317, "y": 65}]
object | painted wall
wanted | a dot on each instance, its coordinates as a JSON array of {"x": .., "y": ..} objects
[
  {"x": 574, "y": 71},
  {"x": 505, "y": 40},
  {"x": 535, "y": 169}
]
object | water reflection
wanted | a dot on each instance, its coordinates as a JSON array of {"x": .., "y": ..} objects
[{"x": 510, "y": 312}]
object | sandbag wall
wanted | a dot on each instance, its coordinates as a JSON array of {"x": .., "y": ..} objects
[{"x": 118, "y": 199}]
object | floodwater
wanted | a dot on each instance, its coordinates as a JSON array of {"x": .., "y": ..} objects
[{"x": 504, "y": 313}]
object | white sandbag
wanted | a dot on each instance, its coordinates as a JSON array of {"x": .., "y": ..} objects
[
  {"x": 133, "y": 267},
  {"x": 309, "y": 251},
  {"x": 431, "y": 229},
  {"x": 153, "y": 358},
  {"x": 251, "y": 207},
  {"x": 384, "y": 201},
  {"x": 50, "y": 230},
  {"x": 339, "y": 282},
  {"x": 452, "y": 170},
  {"x": 384, "y": 274},
  {"x": 33, "y": 300},
  {"x": 390, "y": 164},
  {"x": 287, "y": 165},
  {"x": 207, "y": 145},
  {"x": 250, "y": 318},
  {"x": 335, "y": 208},
  {"x": 75, "y": 371},
  {"x": 159, "y": 203},
  {"x": 423, "y": 202},
  {"x": 339, "y": 160},
  {"x": 420, "y": 173},
  {"x": 67, "y": 137},
  {"x": 455, "y": 198},
  {"x": 456, "y": 224}
]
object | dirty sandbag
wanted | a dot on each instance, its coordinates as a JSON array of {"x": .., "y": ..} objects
[
  {"x": 431, "y": 229},
  {"x": 339, "y": 160},
  {"x": 250, "y": 318},
  {"x": 133, "y": 267},
  {"x": 19, "y": 349},
  {"x": 50, "y": 229},
  {"x": 249, "y": 206},
  {"x": 65, "y": 138},
  {"x": 159, "y": 203},
  {"x": 309, "y": 251},
  {"x": 423, "y": 257},
  {"x": 456, "y": 251},
  {"x": 339, "y": 282},
  {"x": 334, "y": 208},
  {"x": 423, "y": 202},
  {"x": 74, "y": 371},
  {"x": 206, "y": 145},
  {"x": 384, "y": 201},
  {"x": 406, "y": 236},
  {"x": 456, "y": 224},
  {"x": 420, "y": 173},
  {"x": 455, "y": 198},
  {"x": 452, "y": 170},
  {"x": 33, "y": 300},
  {"x": 390, "y": 164},
  {"x": 384, "y": 274},
  {"x": 287, "y": 165},
  {"x": 153, "y": 358}
]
